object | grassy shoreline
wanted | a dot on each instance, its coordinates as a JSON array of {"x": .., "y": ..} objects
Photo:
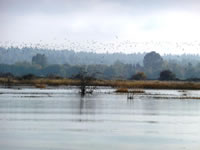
[{"x": 149, "y": 84}]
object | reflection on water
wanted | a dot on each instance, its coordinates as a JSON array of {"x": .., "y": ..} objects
[{"x": 34, "y": 119}]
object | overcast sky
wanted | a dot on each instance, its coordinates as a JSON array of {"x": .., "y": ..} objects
[{"x": 114, "y": 21}]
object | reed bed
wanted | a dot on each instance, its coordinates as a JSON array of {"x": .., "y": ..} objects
[
  {"x": 122, "y": 90},
  {"x": 126, "y": 84},
  {"x": 156, "y": 84},
  {"x": 126, "y": 90},
  {"x": 41, "y": 86},
  {"x": 137, "y": 91}
]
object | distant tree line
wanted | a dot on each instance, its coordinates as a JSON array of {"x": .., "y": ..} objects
[
  {"x": 14, "y": 55},
  {"x": 153, "y": 67}
]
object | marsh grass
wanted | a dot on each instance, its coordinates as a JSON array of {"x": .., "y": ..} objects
[
  {"x": 156, "y": 84},
  {"x": 175, "y": 97},
  {"x": 41, "y": 86},
  {"x": 137, "y": 91},
  {"x": 181, "y": 85},
  {"x": 122, "y": 90},
  {"x": 126, "y": 90}
]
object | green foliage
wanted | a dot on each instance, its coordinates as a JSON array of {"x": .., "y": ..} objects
[
  {"x": 18, "y": 70},
  {"x": 115, "y": 71},
  {"x": 167, "y": 75},
  {"x": 54, "y": 70},
  {"x": 109, "y": 73},
  {"x": 139, "y": 76},
  {"x": 39, "y": 59},
  {"x": 28, "y": 77},
  {"x": 153, "y": 60},
  {"x": 153, "y": 64}
]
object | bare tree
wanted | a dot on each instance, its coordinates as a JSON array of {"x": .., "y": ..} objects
[{"x": 86, "y": 85}]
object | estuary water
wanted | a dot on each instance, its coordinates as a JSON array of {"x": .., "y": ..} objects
[{"x": 60, "y": 119}]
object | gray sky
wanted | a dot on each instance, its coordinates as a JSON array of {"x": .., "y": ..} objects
[{"x": 79, "y": 23}]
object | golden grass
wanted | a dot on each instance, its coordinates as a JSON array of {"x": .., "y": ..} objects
[
  {"x": 122, "y": 90},
  {"x": 42, "y": 81},
  {"x": 175, "y": 97},
  {"x": 137, "y": 91},
  {"x": 113, "y": 83},
  {"x": 126, "y": 90},
  {"x": 155, "y": 84},
  {"x": 41, "y": 86}
]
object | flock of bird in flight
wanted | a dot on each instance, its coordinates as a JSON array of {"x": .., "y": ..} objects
[{"x": 126, "y": 46}]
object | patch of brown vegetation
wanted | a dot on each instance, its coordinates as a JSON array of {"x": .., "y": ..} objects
[
  {"x": 126, "y": 90},
  {"x": 122, "y": 90},
  {"x": 137, "y": 91},
  {"x": 156, "y": 84},
  {"x": 181, "y": 85},
  {"x": 175, "y": 97},
  {"x": 41, "y": 86}
]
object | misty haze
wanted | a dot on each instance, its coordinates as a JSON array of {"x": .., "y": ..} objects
[{"x": 99, "y": 74}]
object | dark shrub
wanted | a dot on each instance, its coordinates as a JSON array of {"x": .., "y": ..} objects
[
  {"x": 28, "y": 77},
  {"x": 139, "y": 76},
  {"x": 167, "y": 75}
]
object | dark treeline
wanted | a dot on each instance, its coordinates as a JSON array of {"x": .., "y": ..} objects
[
  {"x": 153, "y": 66},
  {"x": 14, "y": 55}
]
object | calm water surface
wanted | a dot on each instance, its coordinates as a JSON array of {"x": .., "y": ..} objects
[{"x": 59, "y": 119}]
